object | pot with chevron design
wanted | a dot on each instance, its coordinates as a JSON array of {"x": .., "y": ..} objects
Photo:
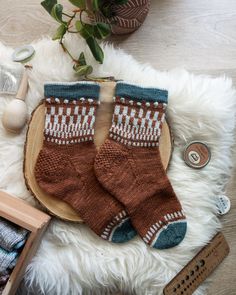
[{"x": 124, "y": 16}]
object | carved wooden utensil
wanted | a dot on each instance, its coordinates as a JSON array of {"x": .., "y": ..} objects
[{"x": 15, "y": 115}]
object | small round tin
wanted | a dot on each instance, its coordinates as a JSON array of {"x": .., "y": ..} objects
[{"x": 197, "y": 154}]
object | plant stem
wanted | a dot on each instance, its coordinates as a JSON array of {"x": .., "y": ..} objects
[
  {"x": 74, "y": 32},
  {"x": 80, "y": 17},
  {"x": 70, "y": 16},
  {"x": 99, "y": 79},
  {"x": 68, "y": 52}
]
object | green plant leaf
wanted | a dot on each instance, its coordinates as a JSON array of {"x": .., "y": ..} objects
[
  {"x": 61, "y": 30},
  {"x": 82, "y": 60},
  {"x": 83, "y": 70},
  {"x": 79, "y": 3},
  {"x": 106, "y": 10},
  {"x": 102, "y": 30},
  {"x": 85, "y": 30},
  {"x": 89, "y": 28},
  {"x": 57, "y": 13},
  {"x": 48, "y": 5},
  {"x": 78, "y": 25},
  {"x": 96, "y": 5},
  {"x": 95, "y": 49}
]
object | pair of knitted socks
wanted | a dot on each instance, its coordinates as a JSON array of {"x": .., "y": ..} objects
[{"x": 123, "y": 187}]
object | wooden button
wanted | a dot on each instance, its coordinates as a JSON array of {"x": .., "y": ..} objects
[
  {"x": 197, "y": 154},
  {"x": 223, "y": 204}
]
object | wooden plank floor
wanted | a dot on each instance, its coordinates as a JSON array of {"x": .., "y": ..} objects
[{"x": 199, "y": 35}]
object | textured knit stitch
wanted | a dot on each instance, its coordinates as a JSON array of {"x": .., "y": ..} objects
[
  {"x": 137, "y": 123},
  {"x": 4, "y": 278},
  {"x": 64, "y": 167},
  {"x": 69, "y": 122},
  {"x": 7, "y": 259},
  {"x": 129, "y": 166},
  {"x": 11, "y": 236},
  {"x": 2, "y": 289}
]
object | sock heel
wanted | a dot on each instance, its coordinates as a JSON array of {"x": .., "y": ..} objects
[{"x": 52, "y": 170}]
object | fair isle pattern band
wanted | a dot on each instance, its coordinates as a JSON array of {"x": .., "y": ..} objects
[
  {"x": 137, "y": 123},
  {"x": 69, "y": 121},
  {"x": 112, "y": 226},
  {"x": 155, "y": 230}
]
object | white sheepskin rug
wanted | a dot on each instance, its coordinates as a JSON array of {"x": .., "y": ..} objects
[{"x": 72, "y": 260}]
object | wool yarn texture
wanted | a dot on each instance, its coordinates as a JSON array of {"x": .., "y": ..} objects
[
  {"x": 129, "y": 165},
  {"x": 2, "y": 288},
  {"x": 4, "y": 278},
  {"x": 7, "y": 260},
  {"x": 64, "y": 166},
  {"x": 12, "y": 237}
]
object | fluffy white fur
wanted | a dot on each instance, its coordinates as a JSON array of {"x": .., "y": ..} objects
[{"x": 71, "y": 259}]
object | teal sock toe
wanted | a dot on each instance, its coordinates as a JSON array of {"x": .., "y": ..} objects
[
  {"x": 123, "y": 232},
  {"x": 170, "y": 236}
]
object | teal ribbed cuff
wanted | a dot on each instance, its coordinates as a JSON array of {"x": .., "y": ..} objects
[
  {"x": 72, "y": 90},
  {"x": 137, "y": 92}
]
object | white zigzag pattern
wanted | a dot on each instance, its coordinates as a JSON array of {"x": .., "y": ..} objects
[
  {"x": 132, "y": 133},
  {"x": 111, "y": 227},
  {"x": 61, "y": 133},
  {"x": 159, "y": 225}
]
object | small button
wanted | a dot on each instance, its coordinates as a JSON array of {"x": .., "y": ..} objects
[{"x": 223, "y": 204}]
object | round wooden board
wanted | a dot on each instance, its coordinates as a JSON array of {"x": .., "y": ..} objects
[{"x": 34, "y": 142}]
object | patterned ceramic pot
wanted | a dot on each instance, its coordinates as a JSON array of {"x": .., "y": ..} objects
[{"x": 126, "y": 17}]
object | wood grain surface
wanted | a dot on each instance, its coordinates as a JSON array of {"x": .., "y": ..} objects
[{"x": 199, "y": 35}]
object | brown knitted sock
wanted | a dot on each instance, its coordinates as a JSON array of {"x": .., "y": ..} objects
[
  {"x": 64, "y": 166},
  {"x": 129, "y": 166}
]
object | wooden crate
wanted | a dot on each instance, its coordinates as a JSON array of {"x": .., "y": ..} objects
[{"x": 30, "y": 218}]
